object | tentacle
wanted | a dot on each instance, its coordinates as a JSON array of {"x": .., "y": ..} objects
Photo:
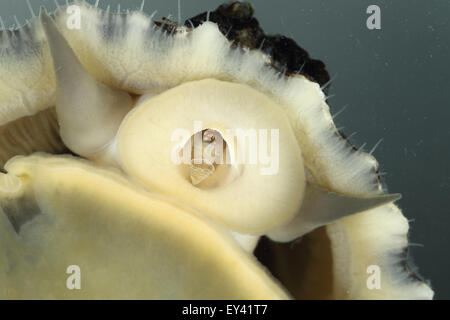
[{"x": 89, "y": 113}]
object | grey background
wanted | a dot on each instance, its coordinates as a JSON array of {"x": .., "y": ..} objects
[{"x": 395, "y": 82}]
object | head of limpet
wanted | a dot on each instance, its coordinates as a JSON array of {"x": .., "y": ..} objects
[{"x": 246, "y": 199}]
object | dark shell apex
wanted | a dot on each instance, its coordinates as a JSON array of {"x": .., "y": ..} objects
[{"x": 235, "y": 20}]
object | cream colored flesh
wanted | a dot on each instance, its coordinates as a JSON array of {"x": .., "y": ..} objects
[
  {"x": 251, "y": 202},
  {"x": 128, "y": 244}
]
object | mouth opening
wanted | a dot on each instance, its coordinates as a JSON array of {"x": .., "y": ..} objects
[{"x": 207, "y": 160}]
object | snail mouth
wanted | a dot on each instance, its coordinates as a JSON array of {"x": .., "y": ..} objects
[
  {"x": 207, "y": 162},
  {"x": 222, "y": 147}
]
